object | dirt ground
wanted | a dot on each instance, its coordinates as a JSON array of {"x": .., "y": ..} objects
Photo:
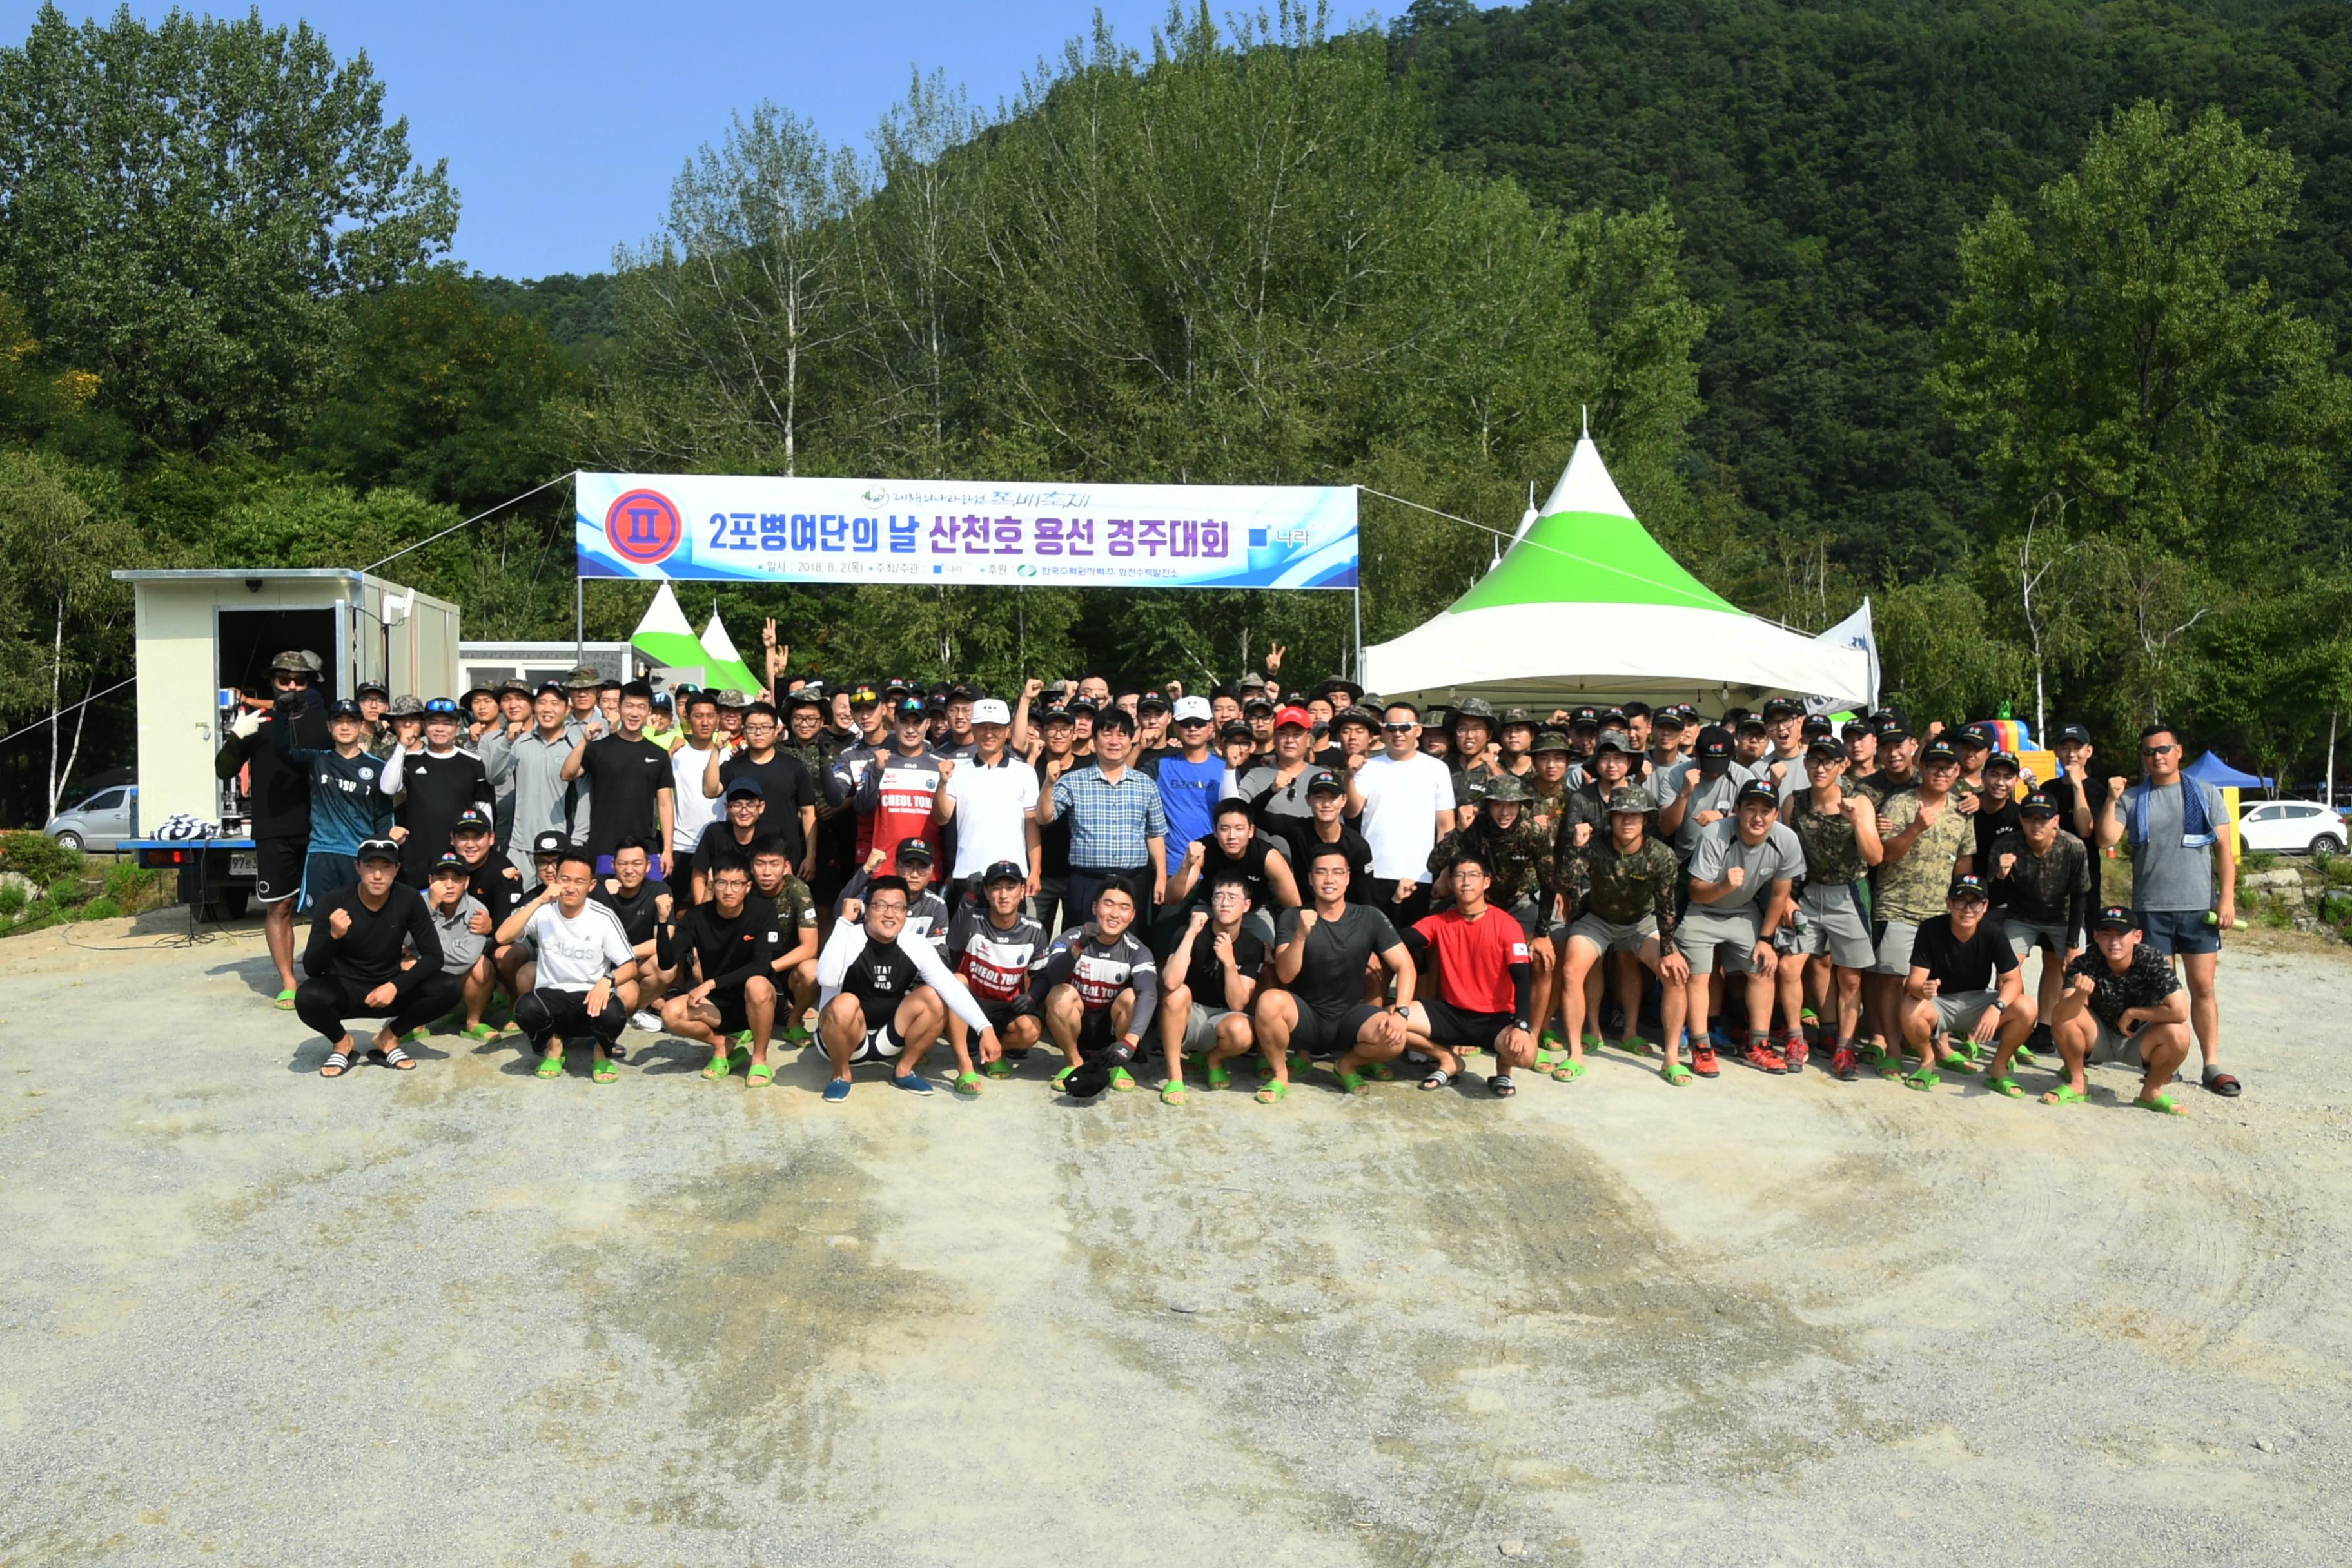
[{"x": 462, "y": 1316}]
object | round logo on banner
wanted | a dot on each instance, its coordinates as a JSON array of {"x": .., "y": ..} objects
[{"x": 642, "y": 527}]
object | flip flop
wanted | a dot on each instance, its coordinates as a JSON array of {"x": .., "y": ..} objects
[
  {"x": 1380, "y": 1072},
  {"x": 1000, "y": 1068},
  {"x": 2163, "y": 1105},
  {"x": 2065, "y": 1095},
  {"x": 1634, "y": 1046},
  {"x": 1219, "y": 1077},
  {"x": 1501, "y": 1087},
  {"x": 1171, "y": 1093},
  {"x": 1569, "y": 1071},
  {"x": 797, "y": 1036},
  {"x": 337, "y": 1064},
  {"x": 967, "y": 1084},
  {"x": 605, "y": 1072},
  {"x": 548, "y": 1066},
  {"x": 761, "y": 1073},
  {"x": 395, "y": 1057},
  {"x": 1272, "y": 1091},
  {"x": 2006, "y": 1085},
  {"x": 1675, "y": 1073},
  {"x": 1062, "y": 1078},
  {"x": 720, "y": 1065},
  {"x": 284, "y": 1002},
  {"x": 417, "y": 1033}
]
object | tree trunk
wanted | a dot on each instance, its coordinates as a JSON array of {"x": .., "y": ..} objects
[{"x": 56, "y": 712}]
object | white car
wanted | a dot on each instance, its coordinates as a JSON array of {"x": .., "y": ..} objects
[{"x": 2292, "y": 828}]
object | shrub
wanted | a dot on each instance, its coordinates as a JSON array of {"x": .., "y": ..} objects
[
  {"x": 2256, "y": 860},
  {"x": 38, "y": 856},
  {"x": 13, "y": 900},
  {"x": 38, "y": 914},
  {"x": 101, "y": 908},
  {"x": 2273, "y": 914}
]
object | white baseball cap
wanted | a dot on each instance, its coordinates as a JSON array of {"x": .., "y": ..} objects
[
  {"x": 1192, "y": 708},
  {"x": 991, "y": 711}
]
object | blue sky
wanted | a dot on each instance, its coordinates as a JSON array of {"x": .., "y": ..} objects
[{"x": 564, "y": 123}]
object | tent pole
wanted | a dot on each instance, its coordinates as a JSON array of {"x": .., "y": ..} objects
[
  {"x": 579, "y": 619},
  {"x": 1359, "y": 632}
]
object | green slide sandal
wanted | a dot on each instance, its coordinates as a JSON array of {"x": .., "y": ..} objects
[
  {"x": 762, "y": 1073},
  {"x": 549, "y": 1067}
]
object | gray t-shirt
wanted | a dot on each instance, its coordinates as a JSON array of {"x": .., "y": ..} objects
[
  {"x": 1777, "y": 858},
  {"x": 460, "y": 946},
  {"x": 2167, "y": 875},
  {"x": 1711, "y": 795}
]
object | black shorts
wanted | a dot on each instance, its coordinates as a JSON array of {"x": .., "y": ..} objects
[
  {"x": 1452, "y": 1025},
  {"x": 1094, "y": 1031},
  {"x": 1001, "y": 1015},
  {"x": 1325, "y": 1037},
  {"x": 277, "y": 869}
]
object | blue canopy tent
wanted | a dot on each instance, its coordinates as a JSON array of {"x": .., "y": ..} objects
[{"x": 2211, "y": 770}]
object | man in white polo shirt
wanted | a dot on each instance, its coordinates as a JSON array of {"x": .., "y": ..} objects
[
  {"x": 1404, "y": 804},
  {"x": 993, "y": 800}
]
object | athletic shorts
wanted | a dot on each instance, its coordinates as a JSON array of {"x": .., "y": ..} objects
[
  {"x": 323, "y": 875},
  {"x": 277, "y": 869},
  {"x": 2111, "y": 1044},
  {"x": 1530, "y": 917},
  {"x": 1458, "y": 1026},
  {"x": 1830, "y": 921},
  {"x": 1957, "y": 1013},
  {"x": 654, "y": 864},
  {"x": 1611, "y": 937},
  {"x": 1325, "y": 1038},
  {"x": 733, "y": 1016},
  {"x": 1001, "y": 1015},
  {"x": 881, "y": 1044},
  {"x": 1201, "y": 1027},
  {"x": 2025, "y": 935},
  {"x": 1893, "y": 944},
  {"x": 1704, "y": 933},
  {"x": 2177, "y": 931}
]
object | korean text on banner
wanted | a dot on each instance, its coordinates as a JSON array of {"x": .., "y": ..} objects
[{"x": 703, "y": 526}]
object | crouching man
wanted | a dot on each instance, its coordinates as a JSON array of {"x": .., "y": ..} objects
[
  {"x": 2122, "y": 1004},
  {"x": 464, "y": 927},
  {"x": 885, "y": 993},
  {"x": 585, "y": 958},
  {"x": 721, "y": 955},
  {"x": 1100, "y": 986},
  {"x": 354, "y": 963},
  {"x": 1964, "y": 980}
]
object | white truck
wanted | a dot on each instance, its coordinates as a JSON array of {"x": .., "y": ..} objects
[{"x": 205, "y": 639}]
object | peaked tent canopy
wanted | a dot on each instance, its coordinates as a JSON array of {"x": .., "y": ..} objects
[
  {"x": 2211, "y": 770},
  {"x": 722, "y": 666},
  {"x": 1586, "y": 606},
  {"x": 667, "y": 638}
]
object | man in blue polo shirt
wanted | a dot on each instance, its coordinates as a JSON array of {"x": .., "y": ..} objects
[{"x": 1190, "y": 779}]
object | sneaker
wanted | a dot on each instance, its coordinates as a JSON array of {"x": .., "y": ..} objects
[
  {"x": 836, "y": 1090},
  {"x": 1795, "y": 1052},
  {"x": 1721, "y": 1039},
  {"x": 1703, "y": 1060},
  {"x": 645, "y": 1021},
  {"x": 1845, "y": 1066},
  {"x": 1762, "y": 1056},
  {"x": 912, "y": 1082}
]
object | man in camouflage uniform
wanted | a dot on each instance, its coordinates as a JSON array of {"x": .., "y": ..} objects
[
  {"x": 1618, "y": 889},
  {"x": 1520, "y": 855},
  {"x": 1546, "y": 782},
  {"x": 1584, "y": 812}
]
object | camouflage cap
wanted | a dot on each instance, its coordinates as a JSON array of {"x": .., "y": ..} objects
[
  {"x": 296, "y": 663},
  {"x": 1613, "y": 740},
  {"x": 406, "y": 708},
  {"x": 1503, "y": 788},
  {"x": 731, "y": 697},
  {"x": 1550, "y": 741},
  {"x": 1475, "y": 708},
  {"x": 584, "y": 678},
  {"x": 1516, "y": 716},
  {"x": 1630, "y": 801}
]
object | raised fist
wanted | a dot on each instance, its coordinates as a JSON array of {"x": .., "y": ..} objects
[
  {"x": 1031, "y": 688},
  {"x": 2008, "y": 864},
  {"x": 1200, "y": 919},
  {"x": 2116, "y": 787},
  {"x": 1733, "y": 875},
  {"x": 338, "y": 924}
]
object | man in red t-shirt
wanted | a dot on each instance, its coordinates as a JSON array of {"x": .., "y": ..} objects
[
  {"x": 901, "y": 783},
  {"x": 1483, "y": 985}
]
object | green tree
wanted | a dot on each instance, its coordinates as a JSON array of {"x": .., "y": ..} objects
[
  {"x": 2124, "y": 356},
  {"x": 183, "y": 206}
]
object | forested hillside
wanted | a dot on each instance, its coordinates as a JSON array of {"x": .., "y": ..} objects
[{"x": 2025, "y": 317}]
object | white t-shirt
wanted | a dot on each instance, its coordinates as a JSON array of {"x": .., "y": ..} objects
[
  {"x": 692, "y": 810},
  {"x": 573, "y": 954},
  {"x": 1402, "y": 800},
  {"x": 990, "y": 804}
]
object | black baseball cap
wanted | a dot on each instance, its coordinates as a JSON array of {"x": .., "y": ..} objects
[
  {"x": 1326, "y": 782},
  {"x": 2072, "y": 733},
  {"x": 1968, "y": 736},
  {"x": 910, "y": 708},
  {"x": 1939, "y": 750},
  {"x": 377, "y": 849},
  {"x": 913, "y": 850},
  {"x": 2040, "y": 803},
  {"x": 1714, "y": 745},
  {"x": 472, "y": 820},
  {"x": 2001, "y": 759},
  {"x": 1782, "y": 708},
  {"x": 2115, "y": 917},
  {"x": 1826, "y": 747},
  {"x": 1760, "y": 789},
  {"x": 1152, "y": 699},
  {"x": 549, "y": 842},
  {"x": 378, "y": 687},
  {"x": 1969, "y": 887},
  {"x": 1236, "y": 730},
  {"x": 451, "y": 863},
  {"x": 746, "y": 788},
  {"x": 1258, "y": 698},
  {"x": 1752, "y": 721},
  {"x": 344, "y": 708},
  {"x": 1003, "y": 871},
  {"x": 1817, "y": 726}
]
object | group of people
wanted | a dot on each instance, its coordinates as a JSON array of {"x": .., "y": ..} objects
[{"x": 888, "y": 868}]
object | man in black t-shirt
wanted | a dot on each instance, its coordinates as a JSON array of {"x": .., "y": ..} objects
[
  {"x": 279, "y": 795},
  {"x": 2081, "y": 793},
  {"x": 1326, "y": 822},
  {"x": 1211, "y": 974},
  {"x": 1321, "y": 958},
  {"x": 2122, "y": 1003},
  {"x": 722, "y": 954},
  {"x": 436, "y": 783},
  {"x": 645, "y": 905},
  {"x": 629, "y": 800},
  {"x": 1963, "y": 977},
  {"x": 2042, "y": 876},
  {"x": 1236, "y": 845},
  {"x": 354, "y": 968},
  {"x": 785, "y": 783},
  {"x": 738, "y": 827}
]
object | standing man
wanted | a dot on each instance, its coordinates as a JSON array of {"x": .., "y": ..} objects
[
  {"x": 542, "y": 790},
  {"x": 1118, "y": 827},
  {"x": 279, "y": 792},
  {"x": 348, "y": 805},
  {"x": 2043, "y": 878},
  {"x": 1276, "y": 789},
  {"x": 352, "y": 959},
  {"x": 438, "y": 784},
  {"x": 1404, "y": 804},
  {"x": 992, "y": 799},
  {"x": 1925, "y": 841},
  {"x": 1191, "y": 780},
  {"x": 2184, "y": 877},
  {"x": 2082, "y": 796},
  {"x": 785, "y": 784},
  {"x": 1839, "y": 835},
  {"x": 1327, "y": 803},
  {"x": 692, "y": 812},
  {"x": 1620, "y": 891},
  {"x": 901, "y": 783},
  {"x": 629, "y": 781}
]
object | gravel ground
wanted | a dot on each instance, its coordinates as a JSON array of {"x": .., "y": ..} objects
[{"x": 462, "y": 1316}]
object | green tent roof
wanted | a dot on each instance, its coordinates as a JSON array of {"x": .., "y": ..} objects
[{"x": 1587, "y": 548}]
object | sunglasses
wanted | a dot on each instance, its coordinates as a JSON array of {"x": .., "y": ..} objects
[
  {"x": 2157, "y": 751},
  {"x": 441, "y": 705},
  {"x": 1400, "y": 729}
]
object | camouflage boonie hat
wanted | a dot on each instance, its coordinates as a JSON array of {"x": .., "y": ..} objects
[
  {"x": 1549, "y": 740},
  {"x": 584, "y": 678},
  {"x": 731, "y": 697},
  {"x": 1516, "y": 716},
  {"x": 1631, "y": 802},
  {"x": 1475, "y": 708},
  {"x": 406, "y": 708},
  {"x": 294, "y": 663},
  {"x": 1503, "y": 788}
]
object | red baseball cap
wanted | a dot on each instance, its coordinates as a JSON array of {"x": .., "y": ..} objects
[{"x": 1298, "y": 716}]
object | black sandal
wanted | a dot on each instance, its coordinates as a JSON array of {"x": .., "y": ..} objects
[
  {"x": 1438, "y": 1079},
  {"x": 335, "y": 1066},
  {"x": 1501, "y": 1087},
  {"x": 2223, "y": 1084}
]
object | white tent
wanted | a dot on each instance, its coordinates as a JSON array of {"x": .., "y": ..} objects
[{"x": 1586, "y": 607}]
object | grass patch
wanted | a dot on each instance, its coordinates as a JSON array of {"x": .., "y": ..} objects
[
  {"x": 2257, "y": 860},
  {"x": 2273, "y": 914},
  {"x": 101, "y": 908}
]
